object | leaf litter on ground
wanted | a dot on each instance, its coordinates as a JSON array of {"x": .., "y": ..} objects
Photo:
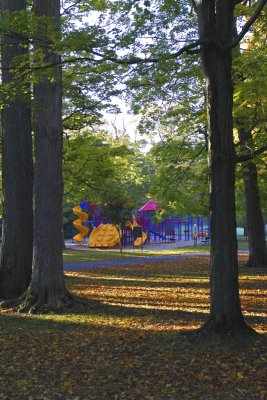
[{"x": 130, "y": 342}]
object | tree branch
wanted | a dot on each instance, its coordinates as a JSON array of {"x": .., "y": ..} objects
[
  {"x": 194, "y": 5},
  {"x": 103, "y": 58},
  {"x": 235, "y": 2},
  {"x": 138, "y": 60},
  {"x": 68, "y": 9},
  {"x": 248, "y": 24},
  {"x": 252, "y": 155}
]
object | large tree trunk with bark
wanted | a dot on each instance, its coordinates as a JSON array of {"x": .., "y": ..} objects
[
  {"x": 215, "y": 21},
  {"x": 16, "y": 250},
  {"x": 255, "y": 221},
  {"x": 47, "y": 290}
]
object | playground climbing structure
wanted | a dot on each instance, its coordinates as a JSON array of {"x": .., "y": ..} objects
[
  {"x": 151, "y": 227},
  {"x": 105, "y": 235}
]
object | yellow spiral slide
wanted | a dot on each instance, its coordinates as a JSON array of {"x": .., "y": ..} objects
[{"x": 78, "y": 224}]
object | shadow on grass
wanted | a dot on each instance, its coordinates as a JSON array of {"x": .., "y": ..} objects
[
  {"x": 35, "y": 328},
  {"x": 60, "y": 360}
]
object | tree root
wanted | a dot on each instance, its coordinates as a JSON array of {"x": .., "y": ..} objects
[
  {"x": 11, "y": 303},
  {"x": 33, "y": 303},
  {"x": 213, "y": 332},
  {"x": 256, "y": 265}
]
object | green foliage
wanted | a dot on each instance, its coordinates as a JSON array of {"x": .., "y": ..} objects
[
  {"x": 169, "y": 95},
  {"x": 88, "y": 83},
  {"x": 97, "y": 167},
  {"x": 250, "y": 75},
  {"x": 118, "y": 211},
  {"x": 250, "y": 104},
  {"x": 30, "y": 66},
  {"x": 15, "y": 22},
  {"x": 180, "y": 181},
  {"x": 90, "y": 163}
]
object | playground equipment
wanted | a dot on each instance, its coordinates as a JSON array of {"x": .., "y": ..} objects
[
  {"x": 150, "y": 207},
  {"x": 203, "y": 236},
  {"x": 78, "y": 224},
  {"x": 145, "y": 226},
  {"x": 105, "y": 235},
  {"x": 142, "y": 239}
]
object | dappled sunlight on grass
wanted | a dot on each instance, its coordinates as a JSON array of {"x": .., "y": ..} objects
[
  {"x": 253, "y": 291},
  {"x": 170, "y": 294}
]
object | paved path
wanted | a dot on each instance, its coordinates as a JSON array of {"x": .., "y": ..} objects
[{"x": 133, "y": 260}]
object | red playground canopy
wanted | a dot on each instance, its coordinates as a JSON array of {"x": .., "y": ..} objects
[{"x": 150, "y": 206}]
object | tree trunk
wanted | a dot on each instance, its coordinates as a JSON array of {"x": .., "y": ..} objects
[
  {"x": 215, "y": 22},
  {"x": 16, "y": 250},
  {"x": 47, "y": 290},
  {"x": 255, "y": 222},
  {"x": 63, "y": 239}
]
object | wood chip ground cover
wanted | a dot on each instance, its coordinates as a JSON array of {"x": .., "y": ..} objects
[{"x": 131, "y": 341}]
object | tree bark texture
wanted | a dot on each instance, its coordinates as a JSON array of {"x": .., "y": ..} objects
[
  {"x": 255, "y": 221},
  {"x": 215, "y": 20},
  {"x": 47, "y": 289},
  {"x": 16, "y": 249}
]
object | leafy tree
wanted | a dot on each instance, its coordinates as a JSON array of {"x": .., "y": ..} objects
[
  {"x": 181, "y": 179},
  {"x": 165, "y": 25},
  {"x": 174, "y": 120},
  {"x": 17, "y": 174},
  {"x": 90, "y": 163},
  {"x": 214, "y": 42},
  {"x": 249, "y": 113},
  {"x": 118, "y": 211},
  {"x": 94, "y": 165},
  {"x": 255, "y": 221},
  {"x": 47, "y": 288},
  {"x": 89, "y": 84},
  {"x": 176, "y": 111},
  {"x": 215, "y": 22}
]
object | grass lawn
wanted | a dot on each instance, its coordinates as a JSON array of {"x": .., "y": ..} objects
[
  {"x": 130, "y": 341},
  {"x": 114, "y": 254}
]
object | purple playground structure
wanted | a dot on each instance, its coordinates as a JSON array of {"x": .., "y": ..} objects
[{"x": 170, "y": 229}]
